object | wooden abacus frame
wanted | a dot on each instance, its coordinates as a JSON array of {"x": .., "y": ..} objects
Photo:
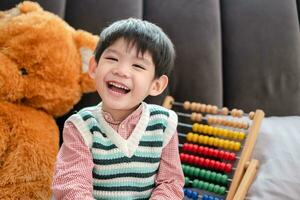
[{"x": 246, "y": 169}]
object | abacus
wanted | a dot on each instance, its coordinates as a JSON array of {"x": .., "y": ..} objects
[{"x": 215, "y": 150}]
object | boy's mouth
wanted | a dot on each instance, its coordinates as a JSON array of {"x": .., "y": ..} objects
[{"x": 117, "y": 87}]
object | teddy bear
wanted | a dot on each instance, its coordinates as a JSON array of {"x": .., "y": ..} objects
[{"x": 43, "y": 74}]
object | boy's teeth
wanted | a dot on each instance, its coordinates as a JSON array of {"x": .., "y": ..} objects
[{"x": 118, "y": 86}]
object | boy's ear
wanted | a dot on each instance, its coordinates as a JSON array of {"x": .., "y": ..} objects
[
  {"x": 158, "y": 85},
  {"x": 92, "y": 67}
]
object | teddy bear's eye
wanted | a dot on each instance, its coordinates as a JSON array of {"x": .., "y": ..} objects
[{"x": 23, "y": 71}]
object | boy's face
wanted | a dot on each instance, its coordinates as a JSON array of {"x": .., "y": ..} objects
[{"x": 124, "y": 78}]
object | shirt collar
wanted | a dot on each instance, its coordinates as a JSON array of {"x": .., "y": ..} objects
[{"x": 134, "y": 116}]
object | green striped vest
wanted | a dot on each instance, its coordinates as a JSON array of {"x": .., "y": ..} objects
[{"x": 125, "y": 168}]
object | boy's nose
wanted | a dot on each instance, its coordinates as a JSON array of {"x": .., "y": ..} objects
[{"x": 121, "y": 70}]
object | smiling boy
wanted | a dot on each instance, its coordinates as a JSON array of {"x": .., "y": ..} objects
[{"x": 123, "y": 148}]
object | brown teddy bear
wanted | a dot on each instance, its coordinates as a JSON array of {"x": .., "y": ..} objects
[{"x": 43, "y": 65}]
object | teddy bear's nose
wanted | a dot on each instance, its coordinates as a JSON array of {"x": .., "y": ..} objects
[{"x": 23, "y": 71}]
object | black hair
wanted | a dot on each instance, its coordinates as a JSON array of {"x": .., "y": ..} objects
[{"x": 143, "y": 35}]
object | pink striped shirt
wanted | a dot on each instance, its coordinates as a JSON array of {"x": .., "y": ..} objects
[{"x": 74, "y": 165}]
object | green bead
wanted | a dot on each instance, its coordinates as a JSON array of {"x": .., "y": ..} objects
[
  {"x": 195, "y": 183},
  {"x": 197, "y": 172},
  {"x": 207, "y": 175},
  {"x": 210, "y": 187},
  {"x": 188, "y": 170},
  {"x": 213, "y": 176},
  {"x": 205, "y": 186},
  {"x": 186, "y": 181},
  {"x": 192, "y": 171},
  {"x": 201, "y": 185},
  {"x": 216, "y": 189},
  {"x": 219, "y": 178},
  {"x": 224, "y": 179},
  {"x": 202, "y": 173},
  {"x": 222, "y": 190}
]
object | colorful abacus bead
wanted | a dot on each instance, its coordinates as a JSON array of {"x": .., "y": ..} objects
[
  {"x": 202, "y": 150},
  {"x": 195, "y": 196},
  {"x": 205, "y": 162},
  {"x": 216, "y": 142},
  {"x": 205, "y": 174}
]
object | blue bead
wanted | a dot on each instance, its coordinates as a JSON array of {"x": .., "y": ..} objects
[
  {"x": 210, "y": 198},
  {"x": 204, "y": 197},
  {"x": 189, "y": 193},
  {"x": 194, "y": 195}
]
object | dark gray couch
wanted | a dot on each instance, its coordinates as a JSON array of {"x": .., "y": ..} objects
[{"x": 234, "y": 53}]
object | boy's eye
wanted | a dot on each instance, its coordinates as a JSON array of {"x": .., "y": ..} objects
[
  {"x": 112, "y": 58},
  {"x": 138, "y": 66}
]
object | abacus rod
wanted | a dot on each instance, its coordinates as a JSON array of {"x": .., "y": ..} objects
[
  {"x": 175, "y": 103},
  {"x": 185, "y": 125}
]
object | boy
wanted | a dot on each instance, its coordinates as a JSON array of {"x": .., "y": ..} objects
[{"x": 123, "y": 148}]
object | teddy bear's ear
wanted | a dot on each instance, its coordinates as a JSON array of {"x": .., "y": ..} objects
[
  {"x": 86, "y": 43},
  {"x": 29, "y": 6},
  {"x": 24, "y": 7}
]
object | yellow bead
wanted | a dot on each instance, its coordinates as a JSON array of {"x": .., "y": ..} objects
[
  {"x": 226, "y": 144},
  {"x": 241, "y": 135},
  {"x": 221, "y": 143},
  {"x": 210, "y": 130},
  {"x": 195, "y": 127},
  {"x": 217, "y": 142},
  {"x": 225, "y": 133},
  {"x": 189, "y": 136},
  {"x": 200, "y": 139},
  {"x": 211, "y": 141},
  {"x": 214, "y": 131},
  {"x": 205, "y": 139},
  {"x": 237, "y": 146},
  {"x": 231, "y": 145},
  {"x": 200, "y": 128},
  {"x": 217, "y": 132},
  {"x": 234, "y": 135},
  {"x": 195, "y": 138},
  {"x": 204, "y": 130}
]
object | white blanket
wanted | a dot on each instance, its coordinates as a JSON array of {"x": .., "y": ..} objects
[{"x": 278, "y": 150}]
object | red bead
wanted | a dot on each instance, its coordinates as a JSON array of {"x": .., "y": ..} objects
[
  {"x": 217, "y": 165},
  {"x": 201, "y": 161},
  {"x": 222, "y": 166},
  {"x": 185, "y": 157},
  {"x": 205, "y": 151},
  {"x": 200, "y": 149},
  {"x": 216, "y": 153},
  {"x": 222, "y": 154},
  {"x": 195, "y": 148},
  {"x": 196, "y": 160},
  {"x": 210, "y": 152},
  {"x": 226, "y": 155},
  {"x": 212, "y": 164},
  {"x": 228, "y": 168},
  {"x": 190, "y": 146},
  {"x": 185, "y": 147},
  {"x": 206, "y": 163},
  {"x": 232, "y": 156},
  {"x": 182, "y": 157}
]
